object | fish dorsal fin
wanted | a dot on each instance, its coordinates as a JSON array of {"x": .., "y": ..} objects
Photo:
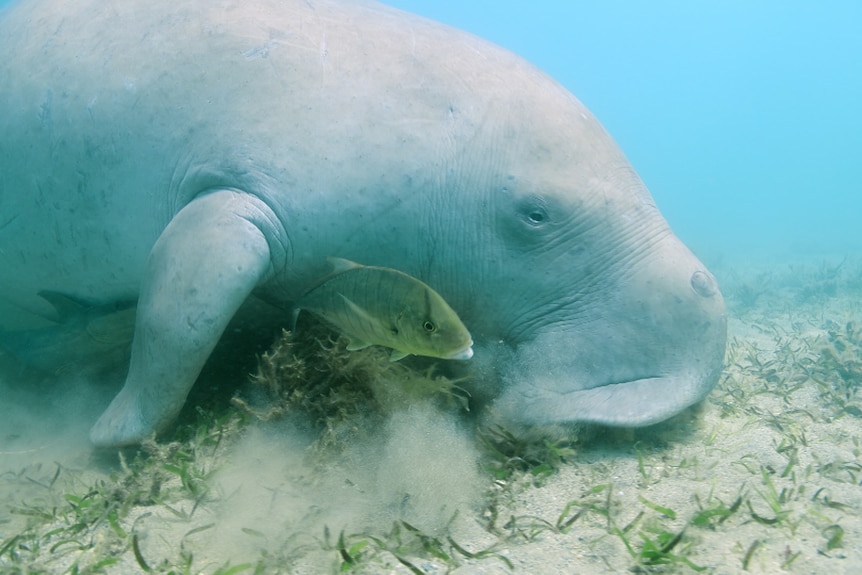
[
  {"x": 340, "y": 265},
  {"x": 66, "y": 306}
]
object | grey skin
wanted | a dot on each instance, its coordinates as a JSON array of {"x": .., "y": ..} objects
[{"x": 192, "y": 153}]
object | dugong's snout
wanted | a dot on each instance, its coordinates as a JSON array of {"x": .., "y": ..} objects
[{"x": 654, "y": 346}]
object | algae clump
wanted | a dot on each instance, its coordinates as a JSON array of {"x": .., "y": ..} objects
[{"x": 311, "y": 374}]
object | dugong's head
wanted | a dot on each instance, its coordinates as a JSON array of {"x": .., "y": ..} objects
[{"x": 586, "y": 304}]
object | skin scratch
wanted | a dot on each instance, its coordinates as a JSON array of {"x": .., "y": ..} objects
[
  {"x": 324, "y": 54},
  {"x": 8, "y": 222}
]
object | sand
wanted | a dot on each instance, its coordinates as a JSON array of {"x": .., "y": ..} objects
[{"x": 765, "y": 476}]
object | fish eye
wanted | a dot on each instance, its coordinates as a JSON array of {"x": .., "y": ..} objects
[{"x": 429, "y": 327}]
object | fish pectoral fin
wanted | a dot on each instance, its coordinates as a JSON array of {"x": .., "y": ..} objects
[
  {"x": 397, "y": 354},
  {"x": 294, "y": 317},
  {"x": 373, "y": 325},
  {"x": 366, "y": 317},
  {"x": 355, "y": 344}
]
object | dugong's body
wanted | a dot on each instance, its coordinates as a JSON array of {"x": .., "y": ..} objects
[{"x": 190, "y": 153}]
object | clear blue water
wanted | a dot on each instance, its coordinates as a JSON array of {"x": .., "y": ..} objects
[{"x": 744, "y": 118}]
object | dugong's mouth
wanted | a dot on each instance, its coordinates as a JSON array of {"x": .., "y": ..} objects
[{"x": 463, "y": 353}]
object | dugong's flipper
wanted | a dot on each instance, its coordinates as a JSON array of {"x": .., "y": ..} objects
[{"x": 203, "y": 266}]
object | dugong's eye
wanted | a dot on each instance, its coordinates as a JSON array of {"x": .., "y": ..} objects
[
  {"x": 533, "y": 211},
  {"x": 529, "y": 219},
  {"x": 537, "y": 216},
  {"x": 429, "y": 326}
]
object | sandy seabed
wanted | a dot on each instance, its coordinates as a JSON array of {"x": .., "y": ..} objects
[{"x": 765, "y": 476}]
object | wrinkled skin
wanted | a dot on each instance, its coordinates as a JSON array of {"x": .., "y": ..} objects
[{"x": 193, "y": 153}]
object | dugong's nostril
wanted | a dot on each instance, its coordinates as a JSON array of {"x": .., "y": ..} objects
[{"x": 703, "y": 284}]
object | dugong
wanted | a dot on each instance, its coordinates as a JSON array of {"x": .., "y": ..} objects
[{"x": 191, "y": 154}]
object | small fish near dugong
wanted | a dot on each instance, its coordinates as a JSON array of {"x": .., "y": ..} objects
[
  {"x": 86, "y": 339},
  {"x": 375, "y": 305},
  {"x": 194, "y": 153}
]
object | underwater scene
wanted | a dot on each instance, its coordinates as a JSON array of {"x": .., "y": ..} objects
[{"x": 410, "y": 410}]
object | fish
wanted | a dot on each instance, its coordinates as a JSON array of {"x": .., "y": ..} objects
[
  {"x": 373, "y": 305},
  {"x": 86, "y": 337}
]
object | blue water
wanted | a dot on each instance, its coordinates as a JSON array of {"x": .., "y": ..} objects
[{"x": 743, "y": 118}]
